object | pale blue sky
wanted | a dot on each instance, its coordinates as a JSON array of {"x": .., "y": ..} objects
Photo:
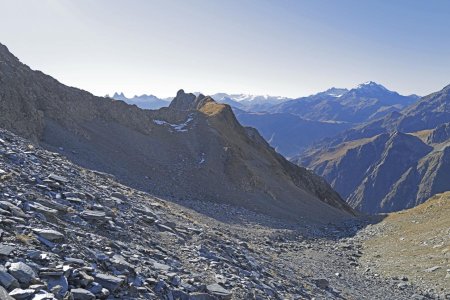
[{"x": 280, "y": 47}]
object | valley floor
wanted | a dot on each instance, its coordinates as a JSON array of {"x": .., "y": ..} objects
[{"x": 67, "y": 232}]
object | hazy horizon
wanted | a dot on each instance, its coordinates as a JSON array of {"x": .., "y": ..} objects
[{"x": 280, "y": 48}]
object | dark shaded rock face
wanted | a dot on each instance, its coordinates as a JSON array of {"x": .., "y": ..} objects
[
  {"x": 194, "y": 149},
  {"x": 389, "y": 172},
  {"x": 440, "y": 134},
  {"x": 289, "y": 134}
]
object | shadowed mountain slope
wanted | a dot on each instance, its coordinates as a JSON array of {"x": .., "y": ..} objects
[
  {"x": 194, "y": 149},
  {"x": 289, "y": 134}
]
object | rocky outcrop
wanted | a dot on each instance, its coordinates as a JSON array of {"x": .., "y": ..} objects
[
  {"x": 440, "y": 134},
  {"x": 194, "y": 149}
]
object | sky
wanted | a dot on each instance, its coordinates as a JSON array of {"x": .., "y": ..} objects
[{"x": 287, "y": 48}]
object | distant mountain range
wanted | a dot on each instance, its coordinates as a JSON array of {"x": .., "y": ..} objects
[
  {"x": 246, "y": 102},
  {"x": 144, "y": 101},
  {"x": 367, "y": 101},
  {"x": 291, "y": 125},
  {"x": 251, "y": 103},
  {"x": 195, "y": 149},
  {"x": 392, "y": 163}
]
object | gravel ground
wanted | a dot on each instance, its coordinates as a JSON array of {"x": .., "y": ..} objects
[{"x": 71, "y": 233}]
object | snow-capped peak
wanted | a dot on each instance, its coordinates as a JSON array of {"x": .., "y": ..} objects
[{"x": 370, "y": 85}]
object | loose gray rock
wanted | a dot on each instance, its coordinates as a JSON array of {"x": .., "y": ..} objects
[
  {"x": 432, "y": 269},
  {"x": 93, "y": 215},
  {"x": 51, "y": 235},
  {"x": 109, "y": 282},
  {"x": 60, "y": 179},
  {"x": 218, "y": 291},
  {"x": 322, "y": 283},
  {"x": 201, "y": 296},
  {"x": 22, "y": 272},
  {"x": 20, "y": 294},
  {"x": 82, "y": 294},
  {"x": 7, "y": 280},
  {"x": 58, "y": 283},
  {"x": 4, "y": 294},
  {"x": 5, "y": 250},
  {"x": 15, "y": 211},
  {"x": 44, "y": 209}
]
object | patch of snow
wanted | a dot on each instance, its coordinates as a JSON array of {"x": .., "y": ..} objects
[
  {"x": 202, "y": 160},
  {"x": 335, "y": 95},
  {"x": 159, "y": 122},
  {"x": 371, "y": 84},
  {"x": 178, "y": 127}
]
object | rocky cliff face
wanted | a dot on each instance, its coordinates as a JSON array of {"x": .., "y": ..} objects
[
  {"x": 194, "y": 149},
  {"x": 388, "y": 172}
]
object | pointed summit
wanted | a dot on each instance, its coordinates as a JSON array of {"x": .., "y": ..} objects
[
  {"x": 120, "y": 96},
  {"x": 5, "y": 55},
  {"x": 371, "y": 85}
]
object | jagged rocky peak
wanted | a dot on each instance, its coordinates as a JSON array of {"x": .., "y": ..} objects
[
  {"x": 188, "y": 101},
  {"x": 183, "y": 101},
  {"x": 119, "y": 96}
]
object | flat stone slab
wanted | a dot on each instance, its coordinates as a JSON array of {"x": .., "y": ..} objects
[
  {"x": 93, "y": 214},
  {"x": 58, "y": 178},
  {"x": 43, "y": 209},
  {"x": 22, "y": 272},
  {"x": 20, "y": 294},
  {"x": 82, "y": 294},
  {"x": 432, "y": 269},
  {"x": 51, "y": 235},
  {"x": 75, "y": 261},
  {"x": 6, "y": 250},
  {"x": 218, "y": 291},
  {"x": 109, "y": 282}
]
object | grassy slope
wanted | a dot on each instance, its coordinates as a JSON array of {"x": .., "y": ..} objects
[{"x": 413, "y": 241}]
